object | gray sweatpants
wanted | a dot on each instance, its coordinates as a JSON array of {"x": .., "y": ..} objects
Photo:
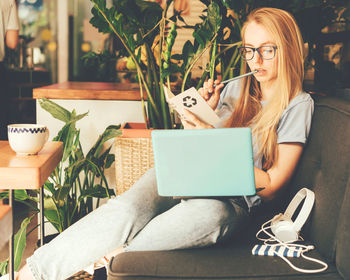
[{"x": 139, "y": 220}]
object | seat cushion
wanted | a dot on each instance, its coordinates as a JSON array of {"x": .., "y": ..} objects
[{"x": 233, "y": 261}]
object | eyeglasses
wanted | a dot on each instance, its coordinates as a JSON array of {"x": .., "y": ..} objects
[{"x": 265, "y": 52}]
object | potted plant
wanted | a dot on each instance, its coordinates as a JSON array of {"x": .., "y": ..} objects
[
  {"x": 141, "y": 28},
  {"x": 76, "y": 185},
  {"x": 148, "y": 34}
]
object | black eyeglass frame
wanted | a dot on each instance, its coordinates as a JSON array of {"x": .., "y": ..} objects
[{"x": 257, "y": 50}]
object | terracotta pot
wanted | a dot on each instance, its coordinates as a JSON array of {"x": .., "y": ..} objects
[{"x": 135, "y": 130}]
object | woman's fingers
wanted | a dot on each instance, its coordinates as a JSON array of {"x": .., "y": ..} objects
[
  {"x": 187, "y": 125},
  {"x": 211, "y": 92},
  {"x": 210, "y": 86},
  {"x": 207, "y": 90},
  {"x": 204, "y": 93},
  {"x": 216, "y": 95},
  {"x": 192, "y": 122}
]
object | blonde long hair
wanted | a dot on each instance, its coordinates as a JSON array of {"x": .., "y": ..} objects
[{"x": 290, "y": 71}]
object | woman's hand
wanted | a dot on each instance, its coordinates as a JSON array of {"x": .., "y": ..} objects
[
  {"x": 192, "y": 122},
  {"x": 210, "y": 93}
]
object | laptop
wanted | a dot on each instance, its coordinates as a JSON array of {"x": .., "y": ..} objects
[{"x": 204, "y": 162}]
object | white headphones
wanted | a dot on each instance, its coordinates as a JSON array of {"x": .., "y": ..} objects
[
  {"x": 282, "y": 225},
  {"x": 285, "y": 231}
]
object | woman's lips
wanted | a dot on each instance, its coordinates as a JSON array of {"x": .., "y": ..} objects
[{"x": 260, "y": 72}]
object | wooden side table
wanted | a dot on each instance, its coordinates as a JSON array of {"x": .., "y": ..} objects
[{"x": 27, "y": 172}]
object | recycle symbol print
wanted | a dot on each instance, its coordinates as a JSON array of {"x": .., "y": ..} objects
[{"x": 189, "y": 101}]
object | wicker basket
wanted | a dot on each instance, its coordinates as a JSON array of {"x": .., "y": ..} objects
[{"x": 133, "y": 156}]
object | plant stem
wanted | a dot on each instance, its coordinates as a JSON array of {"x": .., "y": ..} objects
[
  {"x": 162, "y": 98},
  {"x": 202, "y": 79},
  {"x": 194, "y": 62},
  {"x": 143, "y": 104},
  {"x": 153, "y": 72},
  {"x": 149, "y": 32},
  {"x": 213, "y": 59},
  {"x": 168, "y": 82},
  {"x": 231, "y": 64},
  {"x": 229, "y": 46},
  {"x": 138, "y": 67}
]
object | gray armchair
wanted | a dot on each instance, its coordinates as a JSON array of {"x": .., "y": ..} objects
[{"x": 325, "y": 169}]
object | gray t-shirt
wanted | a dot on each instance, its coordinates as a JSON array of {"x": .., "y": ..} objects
[
  {"x": 293, "y": 127},
  {"x": 8, "y": 21}
]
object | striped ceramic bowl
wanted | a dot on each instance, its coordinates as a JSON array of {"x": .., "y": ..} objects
[{"x": 27, "y": 139}]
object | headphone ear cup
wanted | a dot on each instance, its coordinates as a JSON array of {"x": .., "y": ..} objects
[{"x": 284, "y": 230}]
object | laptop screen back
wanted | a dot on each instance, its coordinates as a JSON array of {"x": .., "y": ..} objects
[{"x": 204, "y": 162}]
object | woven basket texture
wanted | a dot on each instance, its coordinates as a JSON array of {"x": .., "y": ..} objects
[{"x": 133, "y": 157}]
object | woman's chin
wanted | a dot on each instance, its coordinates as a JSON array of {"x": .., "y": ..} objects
[{"x": 263, "y": 79}]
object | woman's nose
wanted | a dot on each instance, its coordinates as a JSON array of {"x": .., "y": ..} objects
[{"x": 257, "y": 58}]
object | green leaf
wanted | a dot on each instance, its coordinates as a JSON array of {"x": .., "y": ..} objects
[
  {"x": 77, "y": 153},
  {"x": 69, "y": 135},
  {"x": 3, "y": 267},
  {"x": 61, "y": 135},
  {"x": 68, "y": 143},
  {"x": 187, "y": 52},
  {"x": 51, "y": 213},
  {"x": 53, "y": 218},
  {"x": 97, "y": 191},
  {"x": 4, "y": 195},
  {"x": 20, "y": 195},
  {"x": 20, "y": 242},
  {"x": 58, "y": 112},
  {"x": 49, "y": 204},
  {"x": 55, "y": 110},
  {"x": 74, "y": 169},
  {"x": 177, "y": 56},
  {"x": 201, "y": 37},
  {"x": 110, "y": 132},
  {"x": 100, "y": 160},
  {"x": 109, "y": 161},
  {"x": 98, "y": 20},
  {"x": 214, "y": 17},
  {"x": 61, "y": 194},
  {"x": 49, "y": 186}
]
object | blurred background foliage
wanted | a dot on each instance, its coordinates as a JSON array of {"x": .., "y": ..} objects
[{"x": 319, "y": 21}]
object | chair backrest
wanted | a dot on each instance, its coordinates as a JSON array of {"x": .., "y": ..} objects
[{"x": 325, "y": 168}]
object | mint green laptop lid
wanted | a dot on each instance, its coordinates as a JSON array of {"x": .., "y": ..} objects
[{"x": 204, "y": 162}]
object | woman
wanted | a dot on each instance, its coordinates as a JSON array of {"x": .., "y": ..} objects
[
  {"x": 271, "y": 102},
  {"x": 9, "y": 27}
]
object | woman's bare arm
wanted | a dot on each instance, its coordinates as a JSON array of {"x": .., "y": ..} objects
[
  {"x": 281, "y": 171},
  {"x": 12, "y": 38}
]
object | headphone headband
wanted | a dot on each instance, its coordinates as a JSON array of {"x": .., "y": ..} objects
[{"x": 305, "y": 210}]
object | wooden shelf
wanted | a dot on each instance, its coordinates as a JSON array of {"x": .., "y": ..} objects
[
  {"x": 89, "y": 91},
  {"x": 28, "y": 172}
]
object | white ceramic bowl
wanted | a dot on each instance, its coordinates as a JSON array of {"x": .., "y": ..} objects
[{"x": 27, "y": 139}]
